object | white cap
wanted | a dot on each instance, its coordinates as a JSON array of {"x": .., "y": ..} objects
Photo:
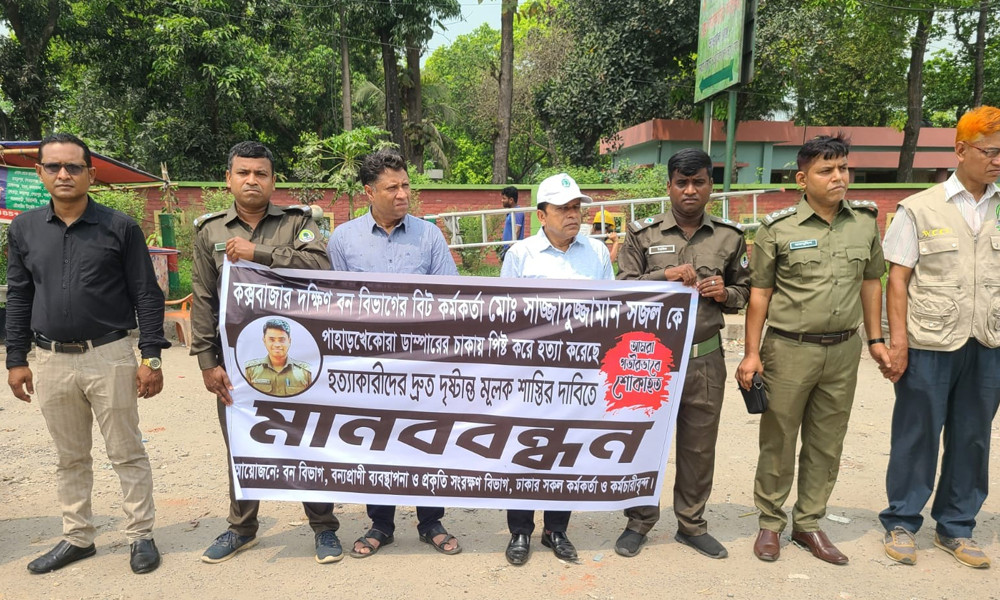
[{"x": 559, "y": 190}]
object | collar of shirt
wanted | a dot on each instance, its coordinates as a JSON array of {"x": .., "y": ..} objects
[
  {"x": 272, "y": 211},
  {"x": 89, "y": 214},
  {"x": 373, "y": 227},
  {"x": 955, "y": 191},
  {"x": 540, "y": 243},
  {"x": 804, "y": 210},
  {"x": 669, "y": 221}
]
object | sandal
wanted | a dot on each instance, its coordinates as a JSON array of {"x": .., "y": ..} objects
[
  {"x": 629, "y": 543},
  {"x": 382, "y": 539},
  {"x": 438, "y": 529}
]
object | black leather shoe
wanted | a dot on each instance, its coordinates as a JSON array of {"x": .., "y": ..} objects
[
  {"x": 145, "y": 556},
  {"x": 518, "y": 549},
  {"x": 560, "y": 544},
  {"x": 63, "y": 554}
]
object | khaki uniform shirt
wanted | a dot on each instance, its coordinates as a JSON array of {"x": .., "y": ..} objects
[
  {"x": 816, "y": 268},
  {"x": 293, "y": 378},
  {"x": 286, "y": 237},
  {"x": 716, "y": 248}
]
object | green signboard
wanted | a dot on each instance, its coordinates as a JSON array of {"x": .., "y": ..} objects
[
  {"x": 720, "y": 47},
  {"x": 21, "y": 189}
]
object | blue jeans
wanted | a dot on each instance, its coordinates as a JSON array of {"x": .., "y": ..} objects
[{"x": 959, "y": 392}]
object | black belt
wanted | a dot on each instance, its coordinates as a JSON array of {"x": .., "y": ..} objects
[
  {"x": 78, "y": 347},
  {"x": 824, "y": 339}
]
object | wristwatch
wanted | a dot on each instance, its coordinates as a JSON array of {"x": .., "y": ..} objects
[{"x": 153, "y": 363}]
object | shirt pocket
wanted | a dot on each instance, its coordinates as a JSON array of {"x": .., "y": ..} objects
[
  {"x": 932, "y": 321},
  {"x": 857, "y": 261},
  {"x": 263, "y": 384},
  {"x": 656, "y": 263},
  {"x": 805, "y": 264},
  {"x": 710, "y": 263},
  {"x": 938, "y": 262}
]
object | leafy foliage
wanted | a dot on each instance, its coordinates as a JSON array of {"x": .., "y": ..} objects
[
  {"x": 129, "y": 202},
  {"x": 337, "y": 159}
]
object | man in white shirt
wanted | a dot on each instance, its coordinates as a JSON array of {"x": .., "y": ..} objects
[
  {"x": 943, "y": 301},
  {"x": 557, "y": 251}
]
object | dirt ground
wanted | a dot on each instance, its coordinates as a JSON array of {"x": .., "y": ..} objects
[{"x": 187, "y": 454}]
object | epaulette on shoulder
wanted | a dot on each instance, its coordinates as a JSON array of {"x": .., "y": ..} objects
[
  {"x": 207, "y": 217},
  {"x": 304, "y": 209},
  {"x": 640, "y": 224},
  {"x": 727, "y": 222},
  {"x": 302, "y": 365},
  {"x": 864, "y": 205},
  {"x": 254, "y": 363},
  {"x": 778, "y": 215}
]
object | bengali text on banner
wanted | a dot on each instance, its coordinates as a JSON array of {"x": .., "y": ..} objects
[{"x": 453, "y": 391}]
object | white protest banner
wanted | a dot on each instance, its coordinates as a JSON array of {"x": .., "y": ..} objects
[{"x": 452, "y": 391}]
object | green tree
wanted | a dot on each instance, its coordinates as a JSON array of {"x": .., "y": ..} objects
[
  {"x": 616, "y": 72},
  {"x": 27, "y": 74},
  {"x": 337, "y": 159}
]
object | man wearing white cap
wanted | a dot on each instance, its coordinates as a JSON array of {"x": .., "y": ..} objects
[{"x": 558, "y": 251}]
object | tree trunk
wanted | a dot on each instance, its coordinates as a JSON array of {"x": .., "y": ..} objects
[
  {"x": 393, "y": 118},
  {"x": 914, "y": 97},
  {"x": 414, "y": 105},
  {"x": 977, "y": 88},
  {"x": 501, "y": 144},
  {"x": 345, "y": 72}
]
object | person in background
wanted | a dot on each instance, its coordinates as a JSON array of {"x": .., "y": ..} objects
[
  {"x": 513, "y": 224},
  {"x": 604, "y": 224}
]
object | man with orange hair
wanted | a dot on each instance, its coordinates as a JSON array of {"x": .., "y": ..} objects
[{"x": 943, "y": 302}]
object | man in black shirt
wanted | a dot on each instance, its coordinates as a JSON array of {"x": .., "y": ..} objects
[{"x": 78, "y": 275}]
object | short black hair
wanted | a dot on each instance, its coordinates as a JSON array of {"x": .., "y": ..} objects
[
  {"x": 277, "y": 323},
  {"x": 511, "y": 192},
  {"x": 64, "y": 138},
  {"x": 688, "y": 162},
  {"x": 249, "y": 149},
  {"x": 378, "y": 162},
  {"x": 824, "y": 146}
]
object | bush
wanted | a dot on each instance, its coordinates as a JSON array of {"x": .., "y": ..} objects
[
  {"x": 129, "y": 202},
  {"x": 216, "y": 199}
]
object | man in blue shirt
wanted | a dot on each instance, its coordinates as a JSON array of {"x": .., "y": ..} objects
[
  {"x": 513, "y": 224},
  {"x": 388, "y": 240},
  {"x": 557, "y": 251}
]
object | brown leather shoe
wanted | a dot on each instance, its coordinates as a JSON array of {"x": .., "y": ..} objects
[
  {"x": 767, "y": 546},
  {"x": 820, "y": 546}
]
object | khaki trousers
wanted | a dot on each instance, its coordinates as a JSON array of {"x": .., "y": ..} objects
[
  {"x": 73, "y": 390},
  {"x": 694, "y": 453},
  {"x": 809, "y": 387}
]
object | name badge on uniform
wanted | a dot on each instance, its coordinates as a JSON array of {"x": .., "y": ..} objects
[
  {"x": 220, "y": 247},
  {"x": 662, "y": 249},
  {"x": 803, "y": 244}
]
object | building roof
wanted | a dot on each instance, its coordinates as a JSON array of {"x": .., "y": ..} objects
[
  {"x": 875, "y": 147},
  {"x": 109, "y": 170}
]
